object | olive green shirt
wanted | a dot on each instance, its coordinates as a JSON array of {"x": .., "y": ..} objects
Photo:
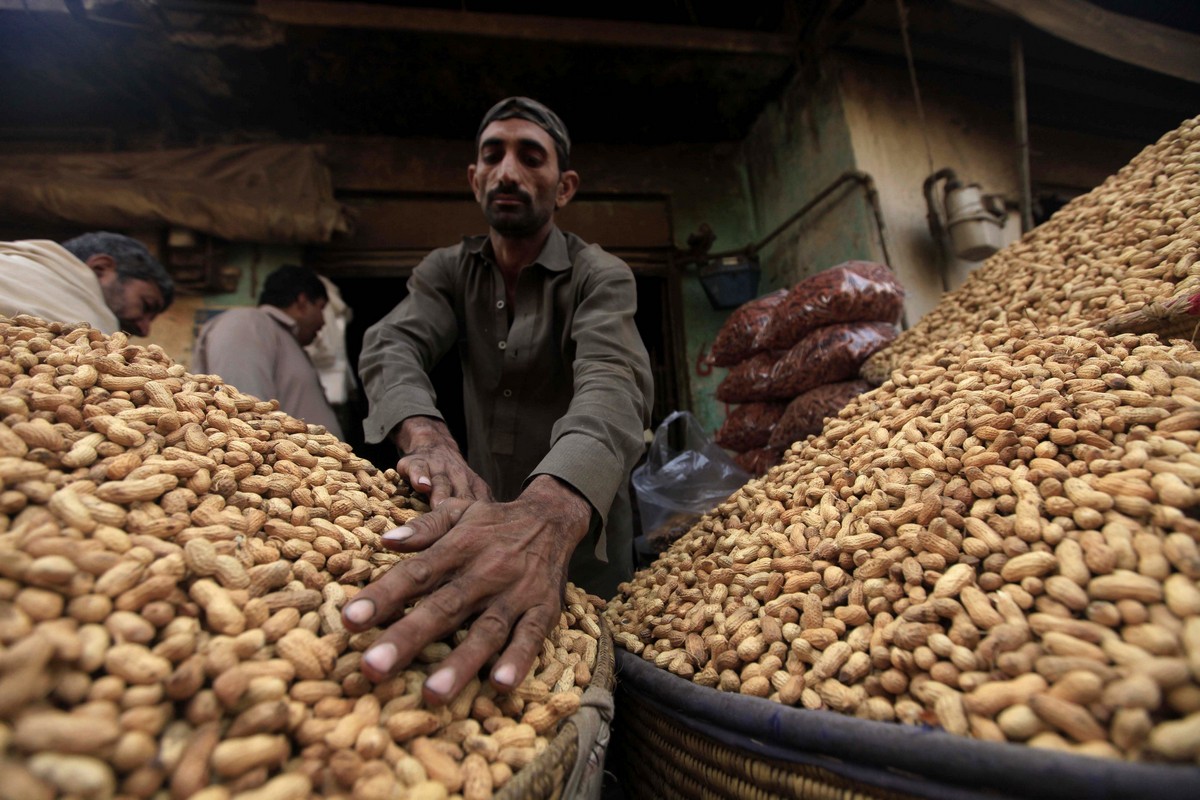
[{"x": 564, "y": 389}]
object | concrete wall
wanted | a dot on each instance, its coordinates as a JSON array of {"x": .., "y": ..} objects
[
  {"x": 889, "y": 143},
  {"x": 798, "y": 147}
]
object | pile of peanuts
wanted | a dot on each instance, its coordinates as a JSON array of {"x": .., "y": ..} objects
[
  {"x": 1000, "y": 541},
  {"x": 174, "y": 558},
  {"x": 1125, "y": 244}
]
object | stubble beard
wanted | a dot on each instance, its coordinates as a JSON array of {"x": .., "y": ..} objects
[{"x": 512, "y": 223}]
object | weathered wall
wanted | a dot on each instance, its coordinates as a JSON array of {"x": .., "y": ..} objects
[
  {"x": 973, "y": 139},
  {"x": 798, "y": 147}
]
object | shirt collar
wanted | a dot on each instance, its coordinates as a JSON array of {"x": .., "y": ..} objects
[
  {"x": 553, "y": 256},
  {"x": 282, "y": 317}
]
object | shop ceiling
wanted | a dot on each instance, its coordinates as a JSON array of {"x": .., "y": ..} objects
[{"x": 129, "y": 74}]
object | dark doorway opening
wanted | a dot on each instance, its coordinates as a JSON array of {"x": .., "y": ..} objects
[{"x": 371, "y": 298}]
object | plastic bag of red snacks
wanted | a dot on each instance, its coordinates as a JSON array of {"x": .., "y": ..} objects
[
  {"x": 806, "y": 414},
  {"x": 749, "y": 426},
  {"x": 758, "y": 461},
  {"x": 750, "y": 381},
  {"x": 856, "y": 291},
  {"x": 735, "y": 341},
  {"x": 827, "y": 355}
]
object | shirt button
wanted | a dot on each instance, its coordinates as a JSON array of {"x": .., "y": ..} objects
[
  {"x": 499, "y": 304},
  {"x": 503, "y": 345},
  {"x": 507, "y": 393}
]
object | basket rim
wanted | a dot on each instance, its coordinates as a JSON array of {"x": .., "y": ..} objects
[
  {"x": 554, "y": 765},
  {"x": 862, "y": 749}
]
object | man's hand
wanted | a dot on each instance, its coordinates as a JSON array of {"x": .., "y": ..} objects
[
  {"x": 505, "y": 562},
  {"x": 433, "y": 464}
]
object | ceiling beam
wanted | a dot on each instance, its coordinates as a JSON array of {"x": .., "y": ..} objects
[
  {"x": 562, "y": 30},
  {"x": 1170, "y": 51}
]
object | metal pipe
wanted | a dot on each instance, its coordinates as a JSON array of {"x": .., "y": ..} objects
[
  {"x": 1021, "y": 121},
  {"x": 934, "y": 218},
  {"x": 862, "y": 178}
]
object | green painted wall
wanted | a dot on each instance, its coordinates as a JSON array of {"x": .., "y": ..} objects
[
  {"x": 255, "y": 262},
  {"x": 798, "y": 146},
  {"x": 713, "y": 191}
]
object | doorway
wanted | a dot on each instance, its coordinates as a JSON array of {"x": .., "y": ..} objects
[{"x": 372, "y": 297}]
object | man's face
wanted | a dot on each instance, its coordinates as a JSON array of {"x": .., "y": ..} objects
[
  {"x": 134, "y": 301},
  {"x": 516, "y": 178},
  {"x": 310, "y": 318}
]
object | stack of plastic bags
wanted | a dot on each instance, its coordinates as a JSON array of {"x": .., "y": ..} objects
[{"x": 793, "y": 357}]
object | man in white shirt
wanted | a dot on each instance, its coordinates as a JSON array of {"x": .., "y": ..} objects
[{"x": 107, "y": 280}]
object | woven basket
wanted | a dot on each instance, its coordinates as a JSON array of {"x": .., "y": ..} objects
[
  {"x": 675, "y": 739},
  {"x": 558, "y": 771}
]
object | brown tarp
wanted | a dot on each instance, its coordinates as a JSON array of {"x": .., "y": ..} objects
[{"x": 257, "y": 193}]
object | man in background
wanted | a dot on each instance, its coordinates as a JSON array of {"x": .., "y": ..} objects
[
  {"x": 261, "y": 350},
  {"x": 107, "y": 280}
]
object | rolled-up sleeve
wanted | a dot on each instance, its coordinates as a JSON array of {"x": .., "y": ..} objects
[
  {"x": 598, "y": 441},
  {"x": 400, "y": 350}
]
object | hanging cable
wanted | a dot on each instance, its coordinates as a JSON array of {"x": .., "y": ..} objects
[
  {"x": 935, "y": 211},
  {"x": 912, "y": 75}
]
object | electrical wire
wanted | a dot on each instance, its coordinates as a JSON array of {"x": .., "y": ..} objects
[{"x": 912, "y": 75}]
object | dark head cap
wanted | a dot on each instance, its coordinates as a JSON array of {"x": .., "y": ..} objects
[{"x": 532, "y": 111}]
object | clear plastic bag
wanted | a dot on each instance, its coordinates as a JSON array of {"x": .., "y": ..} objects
[
  {"x": 759, "y": 460},
  {"x": 749, "y": 426},
  {"x": 750, "y": 381},
  {"x": 855, "y": 291},
  {"x": 685, "y": 471},
  {"x": 829, "y": 354},
  {"x": 735, "y": 341},
  {"x": 806, "y": 414}
]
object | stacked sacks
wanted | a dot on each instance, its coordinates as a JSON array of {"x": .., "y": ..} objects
[
  {"x": 1124, "y": 246},
  {"x": 795, "y": 354},
  {"x": 174, "y": 558},
  {"x": 1000, "y": 541}
]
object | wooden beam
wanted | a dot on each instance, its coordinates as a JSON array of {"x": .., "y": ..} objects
[
  {"x": 1170, "y": 51},
  {"x": 564, "y": 30}
]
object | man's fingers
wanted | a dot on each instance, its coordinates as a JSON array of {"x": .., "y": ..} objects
[
  {"x": 443, "y": 489},
  {"x": 420, "y": 532},
  {"x": 384, "y": 599},
  {"x": 514, "y": 663},
  {"x": 435, "y": 617},
  {"x": 416, "y": 472},
  {"x": 485, "y": 638}
]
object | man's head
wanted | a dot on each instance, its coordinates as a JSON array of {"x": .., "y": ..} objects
[
  {"x": 299, "y": 293},
  {"x": 530, "y": 111},
  {"x": 136, "y": 287},
  {"x": 521, "y": 173}
]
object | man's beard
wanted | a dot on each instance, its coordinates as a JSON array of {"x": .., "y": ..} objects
[
  {"x": 515, "y": 223},
  {"x": 114, "y": 298}
]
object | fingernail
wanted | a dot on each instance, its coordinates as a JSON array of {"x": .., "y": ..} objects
[
  {"x": 360, "y": 611},
  {"x": 425, "y": 482},
  {"x": 505, "y": 675},
  {"x": 441, "y": 682},
  {"x": 398, "y": 534},
  {"x": 381, "y": 658}
]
